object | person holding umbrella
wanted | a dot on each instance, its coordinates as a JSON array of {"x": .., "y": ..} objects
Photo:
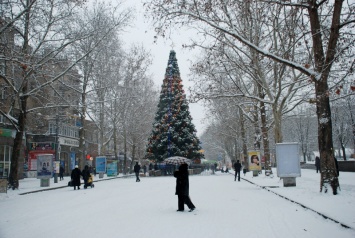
[{"x": 182, "y": 188}]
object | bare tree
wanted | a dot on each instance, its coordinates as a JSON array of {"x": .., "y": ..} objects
[
  {"x": 42, "y": 37},
  {"x": 104, "y": 21},
  {"x": 322, "y": 27},
  {"x": 343, "y": 114},
  {"x": 46, "y": 32}
]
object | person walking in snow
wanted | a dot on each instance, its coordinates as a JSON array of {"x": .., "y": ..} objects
[
  {"x": 145, "y": 169},
  {"x": 237, "y": 168},
  {"x": 182, "y": 188},
  {"x": 86, "y": 175},
  {"x": 317, "y": 164},
  {"x": 137, "y": 168},
  {"x": 75, "y": 177},
  {"x": 61, "y": 173}
]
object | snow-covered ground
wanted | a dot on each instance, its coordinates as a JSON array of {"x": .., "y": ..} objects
[{"x": 124, "y": 208}]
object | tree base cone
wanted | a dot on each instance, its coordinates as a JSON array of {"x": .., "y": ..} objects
[
  {"x": 335, "y": 185},
  {"x": 333, "y": 182}
]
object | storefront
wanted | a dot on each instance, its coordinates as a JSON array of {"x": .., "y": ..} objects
[
  {"x": 6, "y": 144},
  {"x": 36, "y": 148},
  {"x": 66, "y": 151}
]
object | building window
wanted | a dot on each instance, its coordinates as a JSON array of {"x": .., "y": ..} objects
[
  {"x": 3, "y": 92},
  {"x": 2, "y": 67},
  {"x": 52, "y": 128},
  {"x": 5, "y": 158},
  {"x": 68, "y": 131}
]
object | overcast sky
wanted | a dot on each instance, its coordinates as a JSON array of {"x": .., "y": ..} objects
[{"x": 143, "y": 33}]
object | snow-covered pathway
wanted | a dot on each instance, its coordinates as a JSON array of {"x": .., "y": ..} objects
[{"x": 124, "y": 208}]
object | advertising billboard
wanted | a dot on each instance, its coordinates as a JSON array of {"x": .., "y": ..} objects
[
  {"x": 111, "y": 168},
  {"x": 254, "y": 160},
  {"x": 288, "y": 160},
  {"x": 101, "y": 164},
  {"x": 44, "y": 166}
]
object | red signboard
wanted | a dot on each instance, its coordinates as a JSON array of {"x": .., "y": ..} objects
[{"x": 32, "y": 158}]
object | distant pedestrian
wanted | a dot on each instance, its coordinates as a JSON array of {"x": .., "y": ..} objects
[
  {"x": 75, "y": 177},
  {"x": 150, "y": 166},
  {"x": 336, "y": 166},
  {"x": 156, "y": 166},
  {"x": 237, "y": 168},
  {"x": 182, "y": 188},
  {"x": 145, "y": 169},
  {"x": 94, "y": 170},
  {"x": 137, "y": 168},
  {"x": 86, "y": 175},
  {"x": 61, "y": 173},
  {"x": 317, "y": 164}
]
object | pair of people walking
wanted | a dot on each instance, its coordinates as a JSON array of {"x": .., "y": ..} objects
[
  {"x": 182, "y": 188},
  {"x": 76, "y": 175}
]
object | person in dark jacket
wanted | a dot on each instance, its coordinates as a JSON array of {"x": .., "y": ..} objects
[
  {"x": 336, "y": 166},
  {"x": 137, "y": 168},
  {"x": 86, "y": 175},
  {"x": 317, "y": 164},
  {"x": 75, "y": 177},
  {"x": 237, "y": 168},
  {"x": 182, "y": 188},
  {"x": 61, "y": 173}
]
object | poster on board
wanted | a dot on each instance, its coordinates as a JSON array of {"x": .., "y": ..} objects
[
  {"x": 101, "y": 164},
  {"x": 111, "y": 168},
  {"x": 254, "y": 160},
  {"x": 288, "y": 160},
  {"x": 44, "y": 166}
]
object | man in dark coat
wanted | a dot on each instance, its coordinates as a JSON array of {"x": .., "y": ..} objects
[
  {"x": 61, "y": 173},
  {"x": 75, "y": 177},
  {"x": 182, "y": 188},
  {"x": 237, "y": 168},
  {"x": 137, "y": 168},
  {"x": 86, "y": 175}
]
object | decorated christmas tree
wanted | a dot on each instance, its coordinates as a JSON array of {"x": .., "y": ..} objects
[{"x": 173, "y": 132}]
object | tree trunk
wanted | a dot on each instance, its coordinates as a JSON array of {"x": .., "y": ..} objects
[
  {"x": 256, "y": 128},
  {"x": 244, "y": 140},
  {"x": 102, "y": 127},
  {"x": 265, "y": 135},
  {"x": 82, "y": 146},
  {"x": 133, "y": 156},
  {"x": 325, "y": 139},
  {"x": 125, "y": 150},
  {"x": 277, "y": 127},
  {"x": 16, "y": 154},
  {"x": 343, "y": 150},
  {"x": 322, "y": 65}
]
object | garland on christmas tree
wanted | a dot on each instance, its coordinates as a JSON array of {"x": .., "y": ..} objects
[{"x": 173, "y": 132}]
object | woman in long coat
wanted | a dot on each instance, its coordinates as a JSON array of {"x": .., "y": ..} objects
[
  {"x": 75, "y": 177},
  {"x": 86, "y": 175},
  {"x": 182, "y": 188}
]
